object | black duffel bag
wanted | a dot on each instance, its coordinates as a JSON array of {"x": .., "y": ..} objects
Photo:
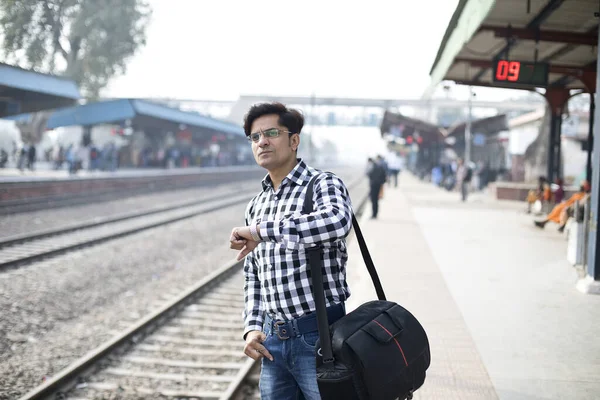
[{"x": 379, "y": 351}]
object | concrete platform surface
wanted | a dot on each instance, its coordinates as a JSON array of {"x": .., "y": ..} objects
[
  {"x": 43, "y": 172},
  {"x": 495, "y": 295}
]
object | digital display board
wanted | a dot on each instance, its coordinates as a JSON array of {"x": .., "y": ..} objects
[{"x": 521, "y": 72}]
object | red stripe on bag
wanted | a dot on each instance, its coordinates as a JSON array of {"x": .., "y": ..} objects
[{"x": 392, "y": 336}]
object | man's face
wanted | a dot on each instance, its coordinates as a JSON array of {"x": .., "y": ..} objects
[{"x": 273, "y": 152}]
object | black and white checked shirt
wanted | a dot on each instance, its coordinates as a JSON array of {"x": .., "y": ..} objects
[{"x": 276, "y": 271}]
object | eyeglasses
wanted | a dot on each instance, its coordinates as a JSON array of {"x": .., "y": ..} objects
[{"x": 269, "y": 133}]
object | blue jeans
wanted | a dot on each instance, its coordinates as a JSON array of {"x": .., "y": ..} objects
[{"x": 292, "y": 375}]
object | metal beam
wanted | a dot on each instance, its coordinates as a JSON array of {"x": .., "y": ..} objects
[
  {"x": 552, "y": 6},
  {"x": 544, "y": 36},
  {"x": 568, "y": 48},
  {"x": 375, "y": 103},
  {"x": 565, "y": 80},
  {"x": 496, "y": 85}
]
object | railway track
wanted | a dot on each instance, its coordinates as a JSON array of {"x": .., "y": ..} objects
[
  {"x": 59, "y": 193},
  {"x": 31, "y": 247},
  {"x": 190, "y": 347},
  {"x": 34, "y": 246}
]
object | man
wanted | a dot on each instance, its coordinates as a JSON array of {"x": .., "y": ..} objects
[
  {"x": 377, "y": 177},
  {"x": 381, "y": 161},
  {"x": 464, "y": 173},
  {"x": 279, "y": 316},
  {"x": 394, "y": 164},
  {"x": 31, "y": 156}
]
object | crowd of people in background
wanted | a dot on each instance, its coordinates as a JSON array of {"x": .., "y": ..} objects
[
  {"x": 24, "y": 156},
  {"x": 75, "y": 157},
  {"x": 182, "y": 157},
  {"x": 454, "y": 175},
  {"x": 457, "y": 174},
  {"x": 547, "y": 199},
  {"x": 109, "y": 157}
]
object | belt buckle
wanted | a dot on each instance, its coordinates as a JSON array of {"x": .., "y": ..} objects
[{"x": 279, "y": 332}]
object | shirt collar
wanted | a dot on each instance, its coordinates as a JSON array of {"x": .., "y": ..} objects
[{"x": 298, "y": 175}]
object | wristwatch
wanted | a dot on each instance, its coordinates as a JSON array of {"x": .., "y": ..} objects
[{"x": 254, "y": 233}]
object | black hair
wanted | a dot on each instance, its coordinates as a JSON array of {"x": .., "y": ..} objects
[{"x": 292, "y": 119}]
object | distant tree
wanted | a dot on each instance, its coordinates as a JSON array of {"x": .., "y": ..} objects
[
  {"x": 33, "y": 129},
  {"x": 88, "y": 41}
]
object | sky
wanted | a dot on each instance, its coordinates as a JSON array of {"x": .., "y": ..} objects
[{"x": 200, "y": 49}]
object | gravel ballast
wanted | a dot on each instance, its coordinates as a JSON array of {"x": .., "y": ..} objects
[{"x": 57, "y": 310}]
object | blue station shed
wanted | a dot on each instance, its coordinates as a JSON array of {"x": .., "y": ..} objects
[
  {"x": 24, "y": 91},
  {"x": 151, "y": 129},
  {"x": 142, "y": 115}
]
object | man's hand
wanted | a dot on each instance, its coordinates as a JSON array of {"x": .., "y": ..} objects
[
  {"x": 237, "y": 242},
  {"x": 241, "y": 232},
  {"x": 250, "y": 245},
  {"x": 241, "y": 239},
  {"x": 254, "y": 348}
]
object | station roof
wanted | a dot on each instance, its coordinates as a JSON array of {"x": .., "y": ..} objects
[
  {"x": 116, "y": 111},
  {"x": 486, "y": 126},
  {"x": 22, "y": 90},
  {"x": 429, "y": 132},
  {"x": 481, "y": 31}
]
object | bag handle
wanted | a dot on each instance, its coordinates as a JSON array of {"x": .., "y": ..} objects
[{"x": 316, "y": 270}]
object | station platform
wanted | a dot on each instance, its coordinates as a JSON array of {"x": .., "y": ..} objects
[
  {"x": 44, "y": 172},
  {"x": 495, "y": 295}
]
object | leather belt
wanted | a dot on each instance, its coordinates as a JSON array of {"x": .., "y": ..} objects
[{"x": 307, "y": 323}]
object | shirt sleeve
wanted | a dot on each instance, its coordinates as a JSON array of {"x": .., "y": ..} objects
[
  {"x": 253, "y": 312},
  {"x": 331, "y": 220}
]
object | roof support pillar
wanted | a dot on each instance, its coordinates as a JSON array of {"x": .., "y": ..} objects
[
  {"x": 590, "y": 139},
  {"x": 589, "y": 80},
  {"x": 86, "y": 135},
  {"x": 557, "y": 99},
  {"x": 591, "y": 283}
]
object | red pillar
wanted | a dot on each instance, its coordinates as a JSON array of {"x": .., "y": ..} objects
[
  {"x": 589, "y": 80},
  {"x": 557, "y": 98}
]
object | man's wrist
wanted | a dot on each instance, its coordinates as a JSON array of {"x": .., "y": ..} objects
[
  {"x": 251, "y": 329},
  {"x": 260, "y": 237}
]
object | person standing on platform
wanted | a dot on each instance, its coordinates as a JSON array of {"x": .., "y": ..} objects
[
  {"x": 31, "y": 156},
  {"x": 279, "y": 315},
  {"x": 464, "y": 173},
  {"x": 383, "y": 163},
  {"x": 394, "y": 166},
  {"x": 377, "y": 178}
]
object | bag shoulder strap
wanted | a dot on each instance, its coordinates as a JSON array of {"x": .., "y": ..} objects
[
  {"x": 308, "y": 207},
  {"x": 315, "y": 260}
]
